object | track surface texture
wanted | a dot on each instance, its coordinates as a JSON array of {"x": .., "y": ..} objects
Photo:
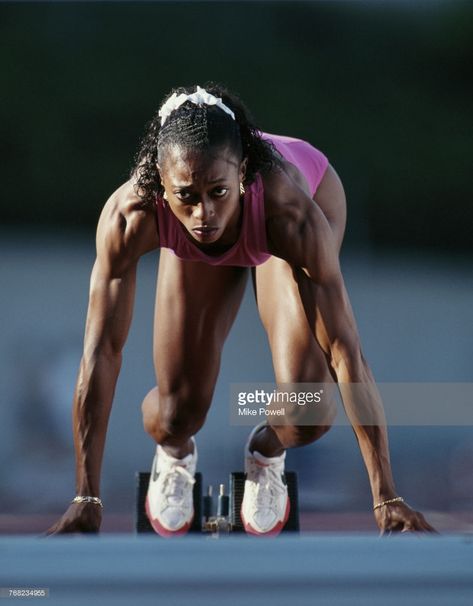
[{"x": 310, "y": 569}]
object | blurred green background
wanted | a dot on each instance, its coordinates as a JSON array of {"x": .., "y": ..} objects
[{"x": 384, "y": 88}]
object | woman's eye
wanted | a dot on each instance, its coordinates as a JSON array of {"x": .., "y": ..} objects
[
  {"x": 182, "y": 195},
  {"x": 220, "y": 191}
]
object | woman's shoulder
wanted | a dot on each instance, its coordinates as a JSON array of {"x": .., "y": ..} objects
[
  {"x": 283, "y": 182},
  {"x": 126, "y": 224},
  {"x": 284, "y": 199}
]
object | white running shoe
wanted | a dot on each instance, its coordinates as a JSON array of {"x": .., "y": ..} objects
[
  {"x": 265, "y": 507},
  {"x": 169, "y": 502}
]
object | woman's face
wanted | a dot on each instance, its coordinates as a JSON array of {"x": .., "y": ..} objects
[{"x": 202, "y": 189}]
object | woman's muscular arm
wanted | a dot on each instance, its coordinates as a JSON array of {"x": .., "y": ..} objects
[
  {"x": 125, "y": 232},
  {"x": 299, "y": 232}
]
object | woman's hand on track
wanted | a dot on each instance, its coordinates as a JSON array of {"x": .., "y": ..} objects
[
  {"x": 399, "y": 517},
  {"x": 79, "y": 518}
]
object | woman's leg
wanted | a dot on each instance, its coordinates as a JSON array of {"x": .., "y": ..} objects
[
  {"x": 287, "y": 303},
  {"x": 196, "y": 305}
]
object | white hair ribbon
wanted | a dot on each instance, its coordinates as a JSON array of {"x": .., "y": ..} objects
[{"x": 200, "y": 97}]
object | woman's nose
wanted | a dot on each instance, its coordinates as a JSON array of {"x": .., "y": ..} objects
[{"x": 203, "y": 211}]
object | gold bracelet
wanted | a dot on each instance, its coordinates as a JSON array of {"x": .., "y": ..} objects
[
  {"x": 395, "y": 500},
  {"x": 94, "y": 500}
]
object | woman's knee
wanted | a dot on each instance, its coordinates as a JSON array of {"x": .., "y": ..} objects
[
  {"x": 292, "y": 436},
  {"x": 172, "y": 418},
  {"x": 300, "y": 435}
]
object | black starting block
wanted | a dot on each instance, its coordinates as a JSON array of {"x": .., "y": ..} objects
[{"x": 230, "y": 521}]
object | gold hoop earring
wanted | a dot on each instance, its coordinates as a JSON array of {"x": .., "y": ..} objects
[{"x": 242, "y": 189}]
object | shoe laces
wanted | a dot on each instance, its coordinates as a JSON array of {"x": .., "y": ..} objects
[
  {"x": 176, "y": 481},
  {"x": 268, "y": 483}
]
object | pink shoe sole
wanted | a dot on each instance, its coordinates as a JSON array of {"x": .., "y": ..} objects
[
  {"x": 274, "y": 531},
  {"x": 164, "y": 532}
]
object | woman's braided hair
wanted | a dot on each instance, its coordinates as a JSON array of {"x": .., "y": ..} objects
[{"x": 200, "y": 128}]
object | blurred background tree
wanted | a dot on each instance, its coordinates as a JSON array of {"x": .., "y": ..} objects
[{"x": 383, "y": 88}]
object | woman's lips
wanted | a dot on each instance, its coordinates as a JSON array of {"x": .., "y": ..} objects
[{"x": 204, "y": 230}]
